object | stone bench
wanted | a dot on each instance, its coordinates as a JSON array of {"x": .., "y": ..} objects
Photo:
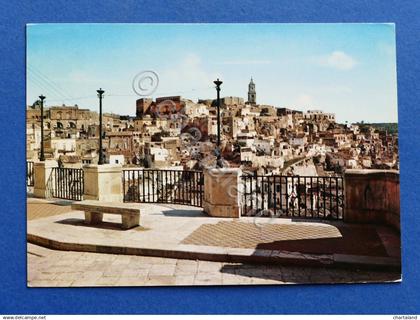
[{"x": 94, "y": 211}]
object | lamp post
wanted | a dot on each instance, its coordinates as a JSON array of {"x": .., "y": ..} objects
[
  {"x": 42, "y": 155},
  {"x": 218, "y": 149},
  {"x": 100, "y": 95}
]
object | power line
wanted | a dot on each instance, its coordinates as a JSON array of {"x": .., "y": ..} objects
[
  {"x": 187, "y": 91},
  {"x": 46, "y": 86},
  {"x": 48, "y": 80},
  {"x": 56, "y": 98},
  {"x": 44, "y": 83},
  {"x": 42, "y": 86},
  {"x": 163, "y": 93},
  {"x": 75, "y": 98}
]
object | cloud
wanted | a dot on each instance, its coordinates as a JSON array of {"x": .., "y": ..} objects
[
  {"x": 244, "y": 62},
  {"x": 304, "y": 100},
  {"x": 188, "y": 74},
  {"x": 339, "y": 60}
]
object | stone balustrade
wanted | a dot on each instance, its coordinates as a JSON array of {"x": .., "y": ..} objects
[
  {"x": 372, "y": 196},
  {"x": 101, "y": 182}
]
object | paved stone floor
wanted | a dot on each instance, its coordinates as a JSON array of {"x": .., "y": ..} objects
[
  {"x": 313, "y": 238},
  {"x": 51, "y": 268},
  {"x": 166, "y": 227},
  {"x": 40, "y": 208},
  {"x": 175, "y": 227}
]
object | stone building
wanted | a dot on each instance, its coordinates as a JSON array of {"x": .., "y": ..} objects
[
  {"x": 33, "y": 140},
  {"x": 143, "y": 106},
  {"x": 232, "y": 102},
  {"x": 121, "y": 143},
  {"x": 318, "y": 115},
  {"x": 33, "y": 115},
  {"x": 115, "y": 123},
  {"x": 87, "y": 150},
  {"x": 193, "y": 109},
  {"x": 161, "y": 107},
  {"x": 70, "y": 121}
]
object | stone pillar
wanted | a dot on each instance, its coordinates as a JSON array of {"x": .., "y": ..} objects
[
  {"x": 222, "y": 192},
  {"x": 372, "y": 196},
  {"x": 42, "y": 172},
  {"x": 103, "y": 182}
]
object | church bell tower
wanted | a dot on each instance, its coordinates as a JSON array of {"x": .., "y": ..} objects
[{"x": 252, "y": 95}]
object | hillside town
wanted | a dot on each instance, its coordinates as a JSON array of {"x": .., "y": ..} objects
[{"x": 173, "y": 132}]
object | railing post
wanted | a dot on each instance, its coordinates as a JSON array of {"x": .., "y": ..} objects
[
  {"x": 103, "y": 182},
  {"x": 42, "y": 172},
  {"x": 222, "y": 192}
]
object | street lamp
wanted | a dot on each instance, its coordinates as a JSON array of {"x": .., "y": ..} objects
[
  {"x": 100, "y": 95},
  {"x": 42, "y": 155},
  {"x": 219, "y": 163}
]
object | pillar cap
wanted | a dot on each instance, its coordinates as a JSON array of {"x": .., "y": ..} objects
[
  {"x": 46, "y": 163},
  {"x": 103, "y": 167},
  {"x": 218, "y": 171},
  {"x": 370, "y": 171}
]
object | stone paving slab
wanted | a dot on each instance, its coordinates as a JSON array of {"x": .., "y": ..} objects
[
  {"x": 51, "y": 268},
  {"x": 163, "y": 229},
  {"x": 312, "y": 239},
  {"x": 40, "y": 209}
]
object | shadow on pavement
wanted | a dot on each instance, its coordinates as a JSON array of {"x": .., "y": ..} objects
[
  {"x": 103, "y": 225},
  {"x": 306, "y": 275},
  {"x": 184, "y": 213},
  {"x": 363, "y": 241}
]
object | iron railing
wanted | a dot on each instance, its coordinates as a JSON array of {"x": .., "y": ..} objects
[
  {"x": 163, "y": 186},
  {"x": 66, "y": 183},
  {"x": 30, "y": 173},
  {"x": 293, "y": 196}
]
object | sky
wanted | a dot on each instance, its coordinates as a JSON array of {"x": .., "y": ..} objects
[{"x": 347, "y": 69}]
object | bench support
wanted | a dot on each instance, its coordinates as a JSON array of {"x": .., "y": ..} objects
[
  {"x": 130, "y": 221},
  {"x": 93, "y": 217}
]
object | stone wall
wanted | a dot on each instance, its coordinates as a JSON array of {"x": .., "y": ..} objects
[
  {"x": 221, "y": 193},
  {"x": 372, "y": 196}
]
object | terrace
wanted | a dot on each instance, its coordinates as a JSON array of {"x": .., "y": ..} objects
[{"x": 223, "y": 215}]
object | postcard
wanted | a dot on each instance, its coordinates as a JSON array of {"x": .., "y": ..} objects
[{"x": 211, "y": 154}]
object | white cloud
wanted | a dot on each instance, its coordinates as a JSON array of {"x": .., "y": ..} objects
[
  {"x": 304, "y": 100},
  {"x": 189, "y": 74},
  {"x": 244, "y": 62},
  {"x": 339, "y": 60}
]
